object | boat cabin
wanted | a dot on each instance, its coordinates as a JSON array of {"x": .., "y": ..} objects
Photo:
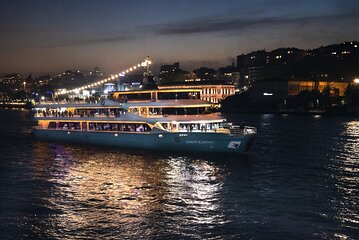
[{"x": 155, "y": 95}]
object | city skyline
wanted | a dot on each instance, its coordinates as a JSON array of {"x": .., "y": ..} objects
[{"x": 43, "y": 37}]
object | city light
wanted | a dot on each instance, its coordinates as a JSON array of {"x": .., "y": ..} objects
[
  {"x": 146, "y": 63},
  {"x": 356, "y": 81}
]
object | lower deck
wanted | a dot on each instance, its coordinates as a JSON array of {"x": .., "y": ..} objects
[
  {"x": 155, "y": 140},
  {"x": 139, "y": 127}
]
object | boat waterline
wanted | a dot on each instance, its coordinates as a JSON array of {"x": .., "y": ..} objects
[{"x": 162, "y": 141}]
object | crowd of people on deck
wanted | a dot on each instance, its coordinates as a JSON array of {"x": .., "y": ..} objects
[
  {"x": 192, "y": 127},
  {"x": 107, "y": 112},
  {"x": 122, "y": 127},
  {"x": 99, "y": 126}
]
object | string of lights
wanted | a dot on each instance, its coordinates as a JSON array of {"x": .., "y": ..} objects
[{"x": 146, "y": 63}]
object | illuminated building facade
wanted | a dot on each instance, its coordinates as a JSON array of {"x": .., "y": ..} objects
[
  {"x": 272, "y": 90},
  {"x": 213, "y": 93},
  {"x": 12, "y": 80}
]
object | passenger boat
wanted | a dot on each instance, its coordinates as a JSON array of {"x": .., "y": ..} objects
[{"x": 164, "y": 120}]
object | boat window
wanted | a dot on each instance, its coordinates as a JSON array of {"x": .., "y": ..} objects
[
  {"x": 178, "y": 111},
  {"x": 143, "y": 111},
  {"x": 133, "y": 110},
  {"x": 155, "y": 111},
  {"x": 52, "y": 125},
  {"x": 134, "y": 97},
  {"x": 165, "y": 125},
  {"x": 122, "y": 127},
  {"x": 69, "y": 125},
  {"x": 192, "y": 127},
  {"x": 183, "y": 111}
]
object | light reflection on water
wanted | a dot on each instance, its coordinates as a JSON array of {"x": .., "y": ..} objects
[
  {"x": 300, "y": 180},
  {"x": 344, "y": 166},
  {"x": 124, "y": 192}
]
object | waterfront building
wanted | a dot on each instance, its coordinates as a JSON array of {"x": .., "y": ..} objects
[
  {"x": 42, "y": 80},
  {"x": 204, "y": 74},
  {"x": 213, "y": 92},
  {"x": 332, "y": 63},
  {"x": 96, "y": 73},
  {"x": 172, "y": 73},
  {"x": 253, "y": 59},
  {"x": 273, "y": 90},
  {"x": 285, "y": 55},
  {"x": 229, "y": 74},
  {"x": 13, "y": 81}
]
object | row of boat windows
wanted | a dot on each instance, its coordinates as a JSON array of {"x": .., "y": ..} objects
[
  {"x": 64, "y": 125},
  {"x": 178, "y": 95},
  {"x": 170, "y": 111},
  {"x": 108, "y": 112},
  {"x": 103, "y": 112},
  {"x": 160, "y": 96},
  {"x": 117, "y": 112},
  {"x": 189, "y": 127},
  {"x": 122, "y": 127}
]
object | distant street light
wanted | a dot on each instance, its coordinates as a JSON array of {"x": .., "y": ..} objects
[
  {"x": 24, "y": 86},
  {"x": 356, "y": 81}
]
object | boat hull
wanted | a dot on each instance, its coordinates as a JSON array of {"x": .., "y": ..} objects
[{"x": 161, "y": 141}]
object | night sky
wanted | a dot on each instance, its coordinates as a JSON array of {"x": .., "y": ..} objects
[{"x": 51, "y": 36}]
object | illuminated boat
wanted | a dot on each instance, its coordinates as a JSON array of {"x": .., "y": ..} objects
[{"x": 164, "y": 120}]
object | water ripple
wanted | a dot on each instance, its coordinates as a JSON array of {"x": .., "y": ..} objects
[{"x": 299, "y": 181}]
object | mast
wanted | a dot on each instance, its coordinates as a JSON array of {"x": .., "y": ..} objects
[{"x": 148, "y": 72}]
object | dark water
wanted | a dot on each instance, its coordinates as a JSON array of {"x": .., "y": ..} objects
[{"x": 300, "y": 181}]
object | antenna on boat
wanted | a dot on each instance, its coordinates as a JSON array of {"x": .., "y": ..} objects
[
  {"x": 148, "y": 76},
  {"x": 147, "y": 64},
  {"x": 148, "y": 72}
]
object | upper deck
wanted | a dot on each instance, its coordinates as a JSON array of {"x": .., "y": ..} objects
[
  {"x": 156, "y": 95},
  {"x": 78, "y": 104},
  {"x": 145, "y": 103}
]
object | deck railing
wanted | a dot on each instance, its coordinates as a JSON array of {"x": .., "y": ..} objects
[
  {"x": 65, "y": 101},
  {"x": 39, "y": 115}
]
